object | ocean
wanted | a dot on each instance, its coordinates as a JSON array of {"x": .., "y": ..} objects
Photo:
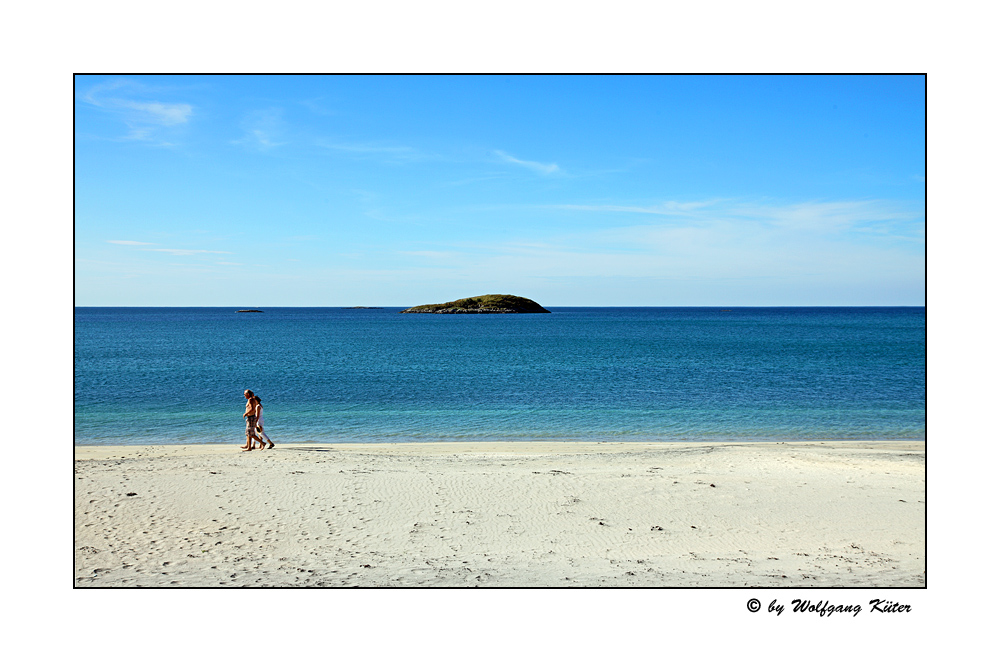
[{"x": 177, "y": 375}]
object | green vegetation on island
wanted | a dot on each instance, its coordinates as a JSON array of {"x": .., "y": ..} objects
[{"x": 496, "y": 304}]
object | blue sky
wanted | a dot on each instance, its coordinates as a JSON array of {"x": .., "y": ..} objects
[{"x": 573, "y": 191}]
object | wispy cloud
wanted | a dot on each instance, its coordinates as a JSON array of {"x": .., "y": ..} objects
[
  {"x": 186, "y": 251},
  {"x": 318, "y": 108},
  {"x": 170, "y": 251},
  {"x": 541, "y": 168},
  {"x": 166, "y": 114},
  {"x": 262, "y": 130},
  {"x": 145, "y": 118},
  {"x": 669, "y": 208},
  {"x": 432, "y": 255},
  {"x": 813, "y": 216},
  {"x": 385, "y": 151},
  {"x": 367, "y": 148},
  {"x": 835, "y": 216},
  {"x": 470, "y": 180},
  {"x": 702, "y": 250}
]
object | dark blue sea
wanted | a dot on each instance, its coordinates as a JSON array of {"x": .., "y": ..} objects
[{"x": 176, "y": 375}]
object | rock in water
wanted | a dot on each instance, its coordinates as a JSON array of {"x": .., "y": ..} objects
[{"x": 496, "y": 304}]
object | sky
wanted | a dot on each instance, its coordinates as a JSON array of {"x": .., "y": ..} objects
[{"x": 572, "y": 191}]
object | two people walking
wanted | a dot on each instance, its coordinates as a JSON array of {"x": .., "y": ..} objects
[{"x": 254, "y": 415}]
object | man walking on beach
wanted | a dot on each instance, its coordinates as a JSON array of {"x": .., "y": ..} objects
[{"x": 251, "y": 415}]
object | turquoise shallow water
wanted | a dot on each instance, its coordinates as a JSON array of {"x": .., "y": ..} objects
[{"x": 176, "y": 375}]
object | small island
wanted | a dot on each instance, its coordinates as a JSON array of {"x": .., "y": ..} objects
[
  {"x": 250, "y": 310},
  {"x": 490, "y": 304}
]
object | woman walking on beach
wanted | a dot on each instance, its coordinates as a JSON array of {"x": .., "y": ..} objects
[
  {"x": 251, "y": 415},
  {"x": 259, "y": 411}
]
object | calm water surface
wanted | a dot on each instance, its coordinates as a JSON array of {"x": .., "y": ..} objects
[{"x": 176, "y": 375}]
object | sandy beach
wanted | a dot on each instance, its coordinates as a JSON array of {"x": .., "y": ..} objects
[{"x": 502, "y": 515}]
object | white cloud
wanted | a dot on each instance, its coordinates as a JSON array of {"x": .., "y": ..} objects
[
  {"x": 828, "y": 216},
  {"x": 432, "y": 255},
  {"x": 683, "y": 253},
  {"x": 317, "y": 108},
  {"x": 813, "y": 216},
  {"x": 257, "y": 138},
  {"x": 261, "y": 130},
  {"x": 185, "y": 251},
  {"x": 167, "y": 114},
  {"x": 145, "y": 118},
  {"x": 367, "y": 148},
  {"x": 171, "y": 251},
  {"x": 669, "y": 208},
  {"x": 384, "y": 151},
  {"x": 541, "y": 168}
]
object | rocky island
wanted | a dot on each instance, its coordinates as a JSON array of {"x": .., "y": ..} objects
[{"x": 495, "y": 304}]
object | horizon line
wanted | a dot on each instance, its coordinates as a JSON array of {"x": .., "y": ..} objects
[{"x": 923, "y": 305}]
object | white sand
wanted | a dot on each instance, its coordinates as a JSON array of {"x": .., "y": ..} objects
[{"x": 502, "y": 514}]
